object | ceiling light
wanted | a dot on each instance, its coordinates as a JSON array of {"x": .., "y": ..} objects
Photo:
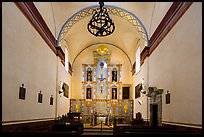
[{"x": 101, "y": 24}]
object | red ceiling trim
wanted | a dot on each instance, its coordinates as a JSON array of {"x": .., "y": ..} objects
[{"x": 175, "y": 12}]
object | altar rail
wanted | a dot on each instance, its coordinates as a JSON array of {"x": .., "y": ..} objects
[{"x": 122, "y": 108}]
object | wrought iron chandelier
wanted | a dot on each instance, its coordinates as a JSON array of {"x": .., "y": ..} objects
[{"x": 101, "y": 24}]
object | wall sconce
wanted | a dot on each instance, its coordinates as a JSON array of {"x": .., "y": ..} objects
[
  {"x": 101, "y": 24},
  {"x": 60, "y": 92},
  {"x": 140, "y": 102},
  {"x": 60, "y": 87},
  {"x": 143, "y": 87}
]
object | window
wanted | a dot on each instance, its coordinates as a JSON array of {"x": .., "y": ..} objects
[
  {"x": 138, "y": 88},
  {"x": 138, "y": 60},
  {"x": 66, "y": 60}
]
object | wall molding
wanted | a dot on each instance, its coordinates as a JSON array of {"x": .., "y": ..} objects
[
  {"x": 43, "y": 125},
  {"x": 60, "y": 53},
  {"x": 144, "y": 54},
  {"x": 182, "y": 124},
  {"x": 175, "y": 12},
  {"x": 26, "y": 120}
]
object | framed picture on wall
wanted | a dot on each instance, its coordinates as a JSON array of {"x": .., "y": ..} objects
[
  {"x": 126, "y": 91},
  {"x": 51, "y": 100},
  {"x": 168, "y": 98},
  {"x": 138, "y": 88},
  {"x": 22, "y": 92},
  {"x": 65, "y": 88},
  {"x": 40, "y": 97}
]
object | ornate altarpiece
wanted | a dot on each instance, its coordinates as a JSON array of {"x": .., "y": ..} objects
[{"x": 102, "y": 89}]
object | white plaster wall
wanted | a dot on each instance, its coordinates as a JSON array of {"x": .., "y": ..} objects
[
  {"x": 137, "y": 78},
  {"x": 86, "y": 57},
  {"x": 175, "y": 65},
  {"x": 26, "y": 59},
  {"x": 63, "y": 102}
]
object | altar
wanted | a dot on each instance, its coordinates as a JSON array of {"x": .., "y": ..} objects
[{"x": 101, "y": 117}]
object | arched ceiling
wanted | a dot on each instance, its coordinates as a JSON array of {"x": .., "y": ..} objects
[{"x": 126, "y": 36}]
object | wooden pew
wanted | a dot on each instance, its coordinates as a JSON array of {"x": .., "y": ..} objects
[
  {"x": 131, "y": 130},
  {"x": 38, "y": 133}
]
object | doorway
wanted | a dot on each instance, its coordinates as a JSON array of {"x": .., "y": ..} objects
[{"x": 154, "y": 115}]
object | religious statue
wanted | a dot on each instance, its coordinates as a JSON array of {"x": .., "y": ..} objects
[
  {"x": 88, "y": 93},
  {"x": 89, "y": 75},
  {"x": 101, "y": 86},
  {"x": 114, "y": 76},
  {"x": 114, "y": 93}
]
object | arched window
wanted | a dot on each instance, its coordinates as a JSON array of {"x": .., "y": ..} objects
[
  {"x": 138, "y": 60},
  {"x": 66, "y": 60}
]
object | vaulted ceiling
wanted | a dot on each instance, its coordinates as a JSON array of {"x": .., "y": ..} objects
[{"x": 126, "y": 36}]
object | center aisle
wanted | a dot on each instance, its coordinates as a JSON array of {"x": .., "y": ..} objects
[{"x": 97, "y": 130}]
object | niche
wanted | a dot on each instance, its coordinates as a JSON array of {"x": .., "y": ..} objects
[
  {"x": 114, "y": 75},
  {"x": 88, "y": 92},
  {"x": 114, "y": 93},
  {"x": 89, "y": 74}
]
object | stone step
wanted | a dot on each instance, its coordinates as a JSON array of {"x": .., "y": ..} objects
[{"x": 97, "y": 130}]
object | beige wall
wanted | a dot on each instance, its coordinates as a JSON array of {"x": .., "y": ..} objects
[
  {"x": 176, "y": 66},
  {"x": 137, "y": 78},
  {"x": 28, "y": 60},
  {"x": 63, "y": 102},
  {"x": 86, "y": 57}
]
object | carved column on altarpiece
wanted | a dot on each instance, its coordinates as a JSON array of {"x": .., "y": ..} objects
[
  {"x": 114, "y": 105},
  {"x": 119, "y": 107}
]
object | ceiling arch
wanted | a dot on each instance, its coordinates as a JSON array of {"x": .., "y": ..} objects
[
  {"x": 103, "y": 44},
  {"x": 124, "y": 14}
]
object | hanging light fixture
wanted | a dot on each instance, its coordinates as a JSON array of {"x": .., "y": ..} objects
[{"x": 101, "y": 24}]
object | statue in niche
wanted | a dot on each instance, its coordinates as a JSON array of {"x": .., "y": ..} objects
[
  {"x": 88, "y": 93},
  {"x": 114, "y": 76},
  {"x": 114, "y": 93},
  {"x": 89, "y": 74}
]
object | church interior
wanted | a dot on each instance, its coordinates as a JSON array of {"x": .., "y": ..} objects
[{"x": 101, "y": 68}]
